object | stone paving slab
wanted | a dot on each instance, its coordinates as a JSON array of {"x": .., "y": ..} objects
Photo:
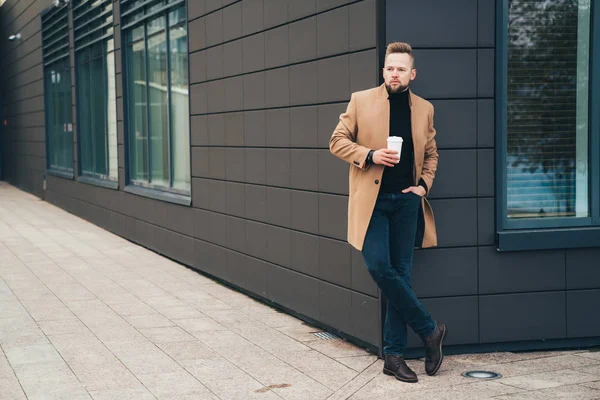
[{"x": 85, "y": 314}]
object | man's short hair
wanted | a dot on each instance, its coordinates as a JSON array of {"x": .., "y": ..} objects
[{"x": 400, "y": 47}]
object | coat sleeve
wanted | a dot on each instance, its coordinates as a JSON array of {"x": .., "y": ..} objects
[
  {"x": 343, "y": 141},
  {"x": 430, "y": 161}
]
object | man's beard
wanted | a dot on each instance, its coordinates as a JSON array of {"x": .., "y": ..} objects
[{"x": 398, "y": 89}]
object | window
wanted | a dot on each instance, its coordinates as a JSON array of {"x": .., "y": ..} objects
[
  {"x": 96, "y": 88},
  {"x": 548, "y": 151},
  {"x": 156, "y": 59},
  {"x": 57, "y": 90}
]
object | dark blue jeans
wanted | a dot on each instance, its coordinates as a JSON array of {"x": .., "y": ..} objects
[{"x": 388, "y": 252}]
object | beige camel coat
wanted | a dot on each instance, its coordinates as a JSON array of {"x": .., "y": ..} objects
[{"x": 365, "y": 126}]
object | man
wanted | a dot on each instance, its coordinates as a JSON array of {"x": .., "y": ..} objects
[{"x": 388, "y": 214}]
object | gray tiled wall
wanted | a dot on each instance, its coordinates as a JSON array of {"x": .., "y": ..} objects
[{"x": 281, "y": 72}]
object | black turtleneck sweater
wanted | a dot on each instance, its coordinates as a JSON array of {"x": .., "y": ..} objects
[{"x": 400, "y": 176}]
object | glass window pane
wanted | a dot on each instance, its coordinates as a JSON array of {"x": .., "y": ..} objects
[
  {"x": 83, "y": 109},
  {"x": 98, "y": 114},
  {"x": 67, "y": 104},
  {"x": 138, "y": 131},
  {"x": 159, "y": 109},
  {"x": 111, "y": 115},
  {"x": 547, "y": 114},
  {"x": 180, "y": 130}
]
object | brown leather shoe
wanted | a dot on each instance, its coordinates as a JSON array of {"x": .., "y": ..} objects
[
  {"x": 396, "y": 366},
  {"x": 433, "y": 350}
]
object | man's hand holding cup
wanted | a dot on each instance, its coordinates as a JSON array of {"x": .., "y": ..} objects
[
  {"x": 387, "y": 157},
  {"x": 391, "y": 155}
]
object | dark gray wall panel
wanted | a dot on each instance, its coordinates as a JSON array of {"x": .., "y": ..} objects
[
  {"x": 214, "y": 28},
  {"x": 456, "y": 222},
  {"x": 279, "y": 205},
  {"x": 276, "y": 46},
  {"x": 333, "y": 79},
  {"x": 582, "y": 306},
  {"x": 486, "y": 178},
  {"x": 445, "y": 272},
  {"x": 252, "y": 16},
  {"x": 279, "y": 246},
  {"x": 435, "y": 66},
  {"x": 254, "y": 128},
  {"x": 335, "y": 305},
  {"x": 486, "y": 14},
  {"x": 456, "y": 175},
  {"x": 305, "y": 211},
  {"x": 299, "y": 9},
  {"x": 234, "y": 197},
  {"x": 278, "y": 167},
  {"x": 303, "y": 36},
  {"x": 333, "y": 173},
  {"x": 362, "y": 25},
  {"x": 335, "y": 262},
  {"x": 236, "y": 234},
  {"x": 485, "y": 73},
  {"x": 214, "y": 57},
  {"x": 254, "y": 91},
  {"x": 333, "y": 32},
  {"x": 305, "y": 253},
  {"x": 199, "y": 131},
  {"x": 455, "y": 122},
  {"x": 278, "y": 127},
  {"x": 234, "y": 164},
  {"x": 333, "y": 216},
  {"x": 303, "y": 127},
  {"x": 460, "y": 314},
  {"x": 275, "y": 12},
  {"x": 434, "y": 23},
  {"x": 197, "y": 34},
  {"x": 256, "y": 202},
  {"x": 255, "y": 272},
  {"x": 277, "y": 91},
  {"x": 365, "y": 320},
  {"x": 328, "y": 119},
  {"x": 232, "y": 22},
  {"x": 363, "y": 69},
  {"x": 256, "y": 164},
  {"x": 361, "y": 279},
  {"x": 303, "y": 83},
  {"x": 256, "y": 239},
  {"x": 253, "y": 53},
  {"x": 234, "y": 129},
  {"x": 486, "y": 226},
  {"x": 305, "y": 169},
  {"x": 583, "y": 271},
  {"x": 531, "y": 271},
  {"x": 528, "y": 316},
  {"x": 302, "y": 296},
  {"x": 485, "y": 123},
  {"x": 196, "y": 9},
  {"x": 231, "y": 58}
]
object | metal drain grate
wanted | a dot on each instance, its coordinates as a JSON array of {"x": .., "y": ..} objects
[{"x": 326, "y": 335}]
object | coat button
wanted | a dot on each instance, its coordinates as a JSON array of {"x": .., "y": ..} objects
[{"x": 377, "y": 181}]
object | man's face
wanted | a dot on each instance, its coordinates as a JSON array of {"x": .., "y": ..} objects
[{"x": 398, "y": 72}]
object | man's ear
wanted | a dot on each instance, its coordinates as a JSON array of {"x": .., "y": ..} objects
[{"x": 413, "y": 74}]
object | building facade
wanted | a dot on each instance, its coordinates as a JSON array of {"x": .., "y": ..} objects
[{"x": 200, "y": 129}]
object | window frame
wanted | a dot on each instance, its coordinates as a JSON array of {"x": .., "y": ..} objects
[
  {"x": 68, "y": 172},
  {"x": 144, "y": 188},
  {"x": 95, "y": 179},
  {"x": 550, "y": 233}
]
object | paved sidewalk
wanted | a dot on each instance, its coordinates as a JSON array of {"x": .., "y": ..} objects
[{"x": 85, "y": 314}]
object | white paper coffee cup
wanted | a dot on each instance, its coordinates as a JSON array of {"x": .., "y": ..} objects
[{"x": 395, "y": 143}]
